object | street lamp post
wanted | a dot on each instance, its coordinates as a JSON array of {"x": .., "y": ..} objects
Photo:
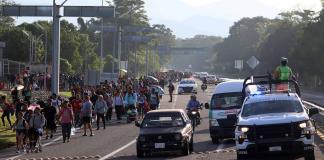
[
  {"x": 30, "y": 45},
  {"x": 45, "y": 58}
]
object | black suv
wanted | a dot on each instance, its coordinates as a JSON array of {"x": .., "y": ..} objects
[{"x": 165, "y": 130}]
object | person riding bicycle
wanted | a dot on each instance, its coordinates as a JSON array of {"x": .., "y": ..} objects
[
  {"x": 283, "y": 73},
  {"x": 193, "y": 105}
]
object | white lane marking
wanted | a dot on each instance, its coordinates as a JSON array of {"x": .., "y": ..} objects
[
  {"x": 118, "y": 150},
  {"x": 175, "y": 101},
  {"x": 314, "y": 105},
  {"x": 44, "y": 145}
]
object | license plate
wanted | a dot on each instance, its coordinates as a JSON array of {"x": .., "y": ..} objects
[
  {"x": 275, "y": 148},
  {"x": 159, "y": 145}
]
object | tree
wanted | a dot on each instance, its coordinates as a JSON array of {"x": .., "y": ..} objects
[
  {"x": 65, "y": 66},
  {"x": 6, "y": 22}
]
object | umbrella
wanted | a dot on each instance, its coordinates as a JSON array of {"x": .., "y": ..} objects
[
  {"x": 33, "y": 107},
  {"x": 19, "y": 87},
  {"x": 123, "y": 70},
  {"x": 153, "y": 79}
]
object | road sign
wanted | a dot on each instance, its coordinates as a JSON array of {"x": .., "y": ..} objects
[
  {"x": 188, "y": 50},
  {"x": 89, "y": 11},
  {"x": 135, "y": 29},
  {"x": 40, "y": 11},
  {"x": 137, "y": 38},
  {"x": 106, "y": 28},
  {"x": 253, "y": 62},
  {"x": 238, "y": 64}
]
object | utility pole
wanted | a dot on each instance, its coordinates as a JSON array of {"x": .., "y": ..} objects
[
  {"x": 56, "y": 49},
  {"x": 146, "y": 60},
  {"x": 114, "y": 54},
  {"x": 119, "y": 47},
  {"x": 101, "y": 44}
]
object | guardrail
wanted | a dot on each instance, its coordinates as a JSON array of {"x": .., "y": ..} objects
[{"x": 314, "y": 105}]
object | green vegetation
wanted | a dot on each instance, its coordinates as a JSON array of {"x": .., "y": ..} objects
[
  {"x": 66, "y": 94},
  {"x": 80, "y": 44},
  {"x": 7, "y": 136},
  {"x": 298, "y": 35}
]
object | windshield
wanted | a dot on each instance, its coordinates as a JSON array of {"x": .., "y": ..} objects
[
  {"x": 187, "y": 82},
  {"x": 156, "y": 120},
  {"x": 226, "y": 101},
  {"x": 266, "y": 107}
]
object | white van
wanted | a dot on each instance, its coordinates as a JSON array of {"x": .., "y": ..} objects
[{"x": 226, "y": 101}]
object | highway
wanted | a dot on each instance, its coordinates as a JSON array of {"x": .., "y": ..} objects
[{"x": 118, "y": 141}]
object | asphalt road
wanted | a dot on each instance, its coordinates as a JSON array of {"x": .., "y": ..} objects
[{"x": 118, "y": 141}]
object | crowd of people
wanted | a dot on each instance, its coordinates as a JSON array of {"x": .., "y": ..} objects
[{"x": 128, "y": 98}]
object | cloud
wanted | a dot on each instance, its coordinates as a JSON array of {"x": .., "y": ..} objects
[{"x": 200, "y": 3}]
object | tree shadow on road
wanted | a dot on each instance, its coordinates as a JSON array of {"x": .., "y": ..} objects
[{"x": 154, "y": 156}]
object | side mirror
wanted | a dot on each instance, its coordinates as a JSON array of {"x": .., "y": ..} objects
[
  {"x": 137, "y": 124},
  {"x": 312, "y": 111},
  {"x": 206, "y": 105}
]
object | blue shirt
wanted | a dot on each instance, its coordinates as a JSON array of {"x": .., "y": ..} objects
[
  {"x": 131, "y": 99},
  {"x": 86, "y": 109},
  {"x": 193, "y": 104}
]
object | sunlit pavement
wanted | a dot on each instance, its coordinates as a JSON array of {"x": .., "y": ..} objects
[{"x": 117, "y": 141}]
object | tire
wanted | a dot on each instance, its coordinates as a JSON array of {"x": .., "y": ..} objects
[
  {"x": 241, "y": 157},
  {"x": 309, "y": 156},
  {"x": 215, "y": 140},
  {"x": 185, "y": 149},
  {"x": 140, "y": 154},
  {"x": 191, "y": 145}
]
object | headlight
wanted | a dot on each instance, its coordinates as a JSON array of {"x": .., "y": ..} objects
[
  {"x": 141, "y": 138},
  {"x": 303, "y": 125},
  {"x": 244, "y": 129},
  {"x": 214, "y": 123},
  {"x": 177, "y": 137}
]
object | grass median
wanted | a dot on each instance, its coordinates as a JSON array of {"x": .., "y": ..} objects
[{"x": 7, "y": 135}]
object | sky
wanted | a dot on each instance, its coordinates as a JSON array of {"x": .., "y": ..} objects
[{"x": 191, "y": 17}]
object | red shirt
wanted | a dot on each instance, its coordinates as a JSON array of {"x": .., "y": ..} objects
[{"x": 76, "y": 105}]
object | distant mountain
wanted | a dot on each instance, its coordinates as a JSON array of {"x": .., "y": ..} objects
[{"x": 199, "y": 25}]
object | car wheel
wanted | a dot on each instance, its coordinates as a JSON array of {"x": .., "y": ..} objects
[
  {"x": 309, "y": 156},
  {"x": 240, "y": 157},
  {"x": 215, "y": 140},
  {"x": 191, "y": 145},
  {"x": 185, "y": 149},
  {"x": 140, "y": 154}
]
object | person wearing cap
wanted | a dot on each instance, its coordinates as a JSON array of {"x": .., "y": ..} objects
[
  {"x": 101, "y": 109},
  {"x": 66, "y": 118},
  {"x": 283, "y": 73}
]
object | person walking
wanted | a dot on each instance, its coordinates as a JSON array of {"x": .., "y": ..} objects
[
  {"x": 67, "y": 118},
  {"x": 6, "y": 109},
  {"x": 118, "y": 104},
  {"x": 109, "y": 103},
  {"x": 86, "y": 112},
  {"x": 101, "y": 109},
  {"x": 36, "y": 123},
  {"x": 76, "y": 105},
  {"x": 20, "y": 126},
  {"x": 171, "y": 89},
  {"x": 50, "y": 114}
]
